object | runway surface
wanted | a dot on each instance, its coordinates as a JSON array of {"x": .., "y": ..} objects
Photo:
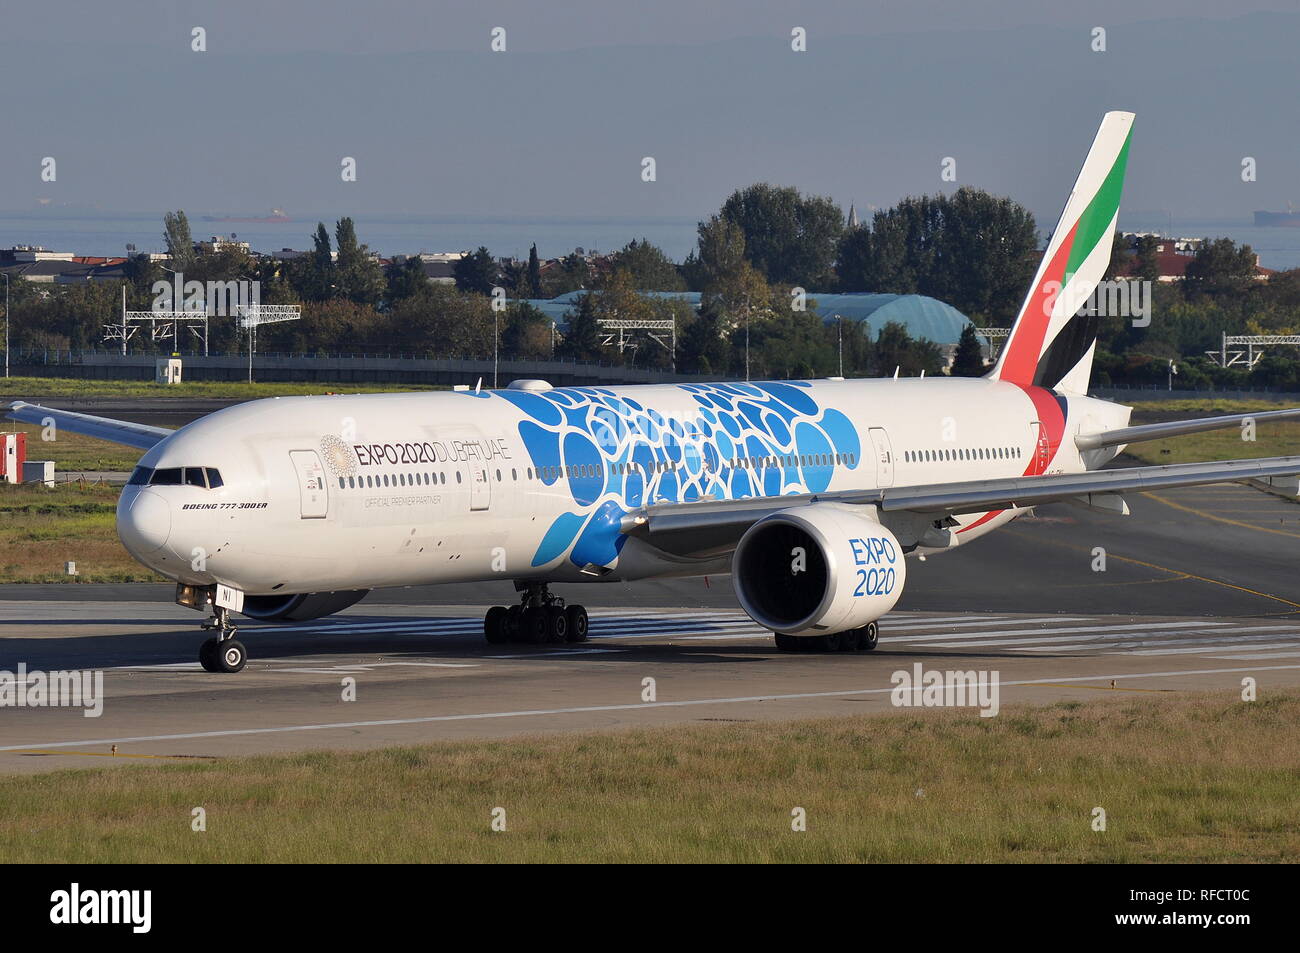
[{"x": 1198, "y": 591}]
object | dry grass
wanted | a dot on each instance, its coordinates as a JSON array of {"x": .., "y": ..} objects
[
  {"x": 42, "y": 528},
  {"x": 1183, "y": 778}
]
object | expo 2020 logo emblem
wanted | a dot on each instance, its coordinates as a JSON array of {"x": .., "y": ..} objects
[{"x": 338, "y": 455}]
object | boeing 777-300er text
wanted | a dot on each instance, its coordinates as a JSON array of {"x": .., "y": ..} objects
[{"x": 813, "y": 494}]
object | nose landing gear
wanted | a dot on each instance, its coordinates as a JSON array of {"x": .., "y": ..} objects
[
  {"x": 223, "y": 652},
  {"x": 540, "y": 617}
]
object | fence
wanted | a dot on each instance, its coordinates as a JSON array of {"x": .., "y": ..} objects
[{"x": 338, "y": 368}]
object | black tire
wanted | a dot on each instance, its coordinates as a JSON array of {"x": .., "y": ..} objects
[
  {"x": 514, "y": 621},
  {"x": 868, "y": 637},
  {"x": 787, "y": 643},
  {"x": 850, "y": 640},
  {"x": 532, "y": 625},
  {"x": 557, "y": 624},
  {"x": 831, "y": 642},
  {"x": 579, "y": 625},
  {"x": 231, "y": 656},
  {"x": 494, "y": 625},
  {"x": 208, "y": 656}
]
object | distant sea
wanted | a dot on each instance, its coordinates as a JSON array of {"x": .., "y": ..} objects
[{"x": 108, "y": 233}]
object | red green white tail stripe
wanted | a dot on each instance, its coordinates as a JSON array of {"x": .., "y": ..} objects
[{"x": 1075, "y": 260}]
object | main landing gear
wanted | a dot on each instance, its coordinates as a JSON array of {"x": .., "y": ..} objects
[
  {"x": 538, "y": 618},
  {"x": 854, "y": 640},
  {"x": 222, "y": 653}
]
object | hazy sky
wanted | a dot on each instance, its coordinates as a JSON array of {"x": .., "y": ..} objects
[
  {"x": 558, "y": 124},
  {"x": 384, "y": 26}
]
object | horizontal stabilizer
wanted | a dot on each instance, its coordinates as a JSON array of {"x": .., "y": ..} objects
[
  {"x": 1175, "y": 428},
  {"x": 140, "y": 436}
]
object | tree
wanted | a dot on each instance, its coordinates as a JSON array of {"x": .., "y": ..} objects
[
  {"x": 1146, "y": 258},
  {"x": 526, "y": 334},
  {"x": 971, "y": 249},
  {"x": 313, "y": 275},
  {"x": 649, "y": 268},
  {"x": 790, "y": 239},
  {"x": 358, "y": 275},
  {"x": 1220, "y": 267},
  {"x": 404, "y": 279},
  {"x": 582, "y": 334},
  {"x": 180, "y": 245},
  {"x": 476, "y": 272},
  {"x": 534, "y": 273},
  {"x": 895, "y": 348},
  {"x": 969, "y": 359}
]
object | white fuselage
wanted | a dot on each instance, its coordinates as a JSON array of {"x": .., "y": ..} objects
[{"x": 358, "y": 492}]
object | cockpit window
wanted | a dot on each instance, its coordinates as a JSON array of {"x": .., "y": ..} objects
[{"x": 202, "y": 477}]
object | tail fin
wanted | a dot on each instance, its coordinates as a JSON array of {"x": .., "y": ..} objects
[{"x": 1050, "y": 345}]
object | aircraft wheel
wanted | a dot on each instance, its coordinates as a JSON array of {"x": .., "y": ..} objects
[
  {"x": 578, "y": 623},
  {"x": 557, "y": 624},
  {"x": 494, "y": 625},
  {"x": 514, "y": 623},
  {"x": 230, "y": 656},
  {"x": 869, "y": 636},
  {"x": 787, "y": 643},
  {"x": 532, "y": 625},
  {"x": 850, "y": 640},
  {"x": 208, "y": 655},
  {"x": 831, "y": 642}
]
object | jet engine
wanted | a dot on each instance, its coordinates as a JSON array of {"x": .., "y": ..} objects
[
  {"x": 299, "y": 607},
  {"x": 818, "y": 569}
]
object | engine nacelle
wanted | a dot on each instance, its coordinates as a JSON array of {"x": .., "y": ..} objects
[
  {"x": 818, "y": 569},
  {"x": 299, "y": 607}
]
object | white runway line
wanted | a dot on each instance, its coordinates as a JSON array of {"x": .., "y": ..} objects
[
  {"x": 1213, "y": 648},
  {"x": 1047, "y": 635},
  {"x": 594, "y": 709},
  {"x": 1209, "y": 638},
  {"x": 1247, "y": 658}
]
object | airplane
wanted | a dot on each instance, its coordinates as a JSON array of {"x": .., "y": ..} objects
[{"x": 813, "y": 494}]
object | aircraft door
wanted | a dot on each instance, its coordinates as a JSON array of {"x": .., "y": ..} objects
[
  {"x": 1042, "y": 452},
  {"x": 480, "y": 486},
  {"x": 313, "y": 493},
  {"x": 884, "y": 454}
]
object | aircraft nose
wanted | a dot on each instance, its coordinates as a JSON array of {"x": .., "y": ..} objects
[{"x": 144, "y": 523}]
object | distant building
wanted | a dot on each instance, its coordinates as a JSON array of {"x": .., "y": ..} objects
[
  {"x": 1172, "y": 256},
  {"x": 922, "y": 316},
  {"x": 219, "y": 243}
]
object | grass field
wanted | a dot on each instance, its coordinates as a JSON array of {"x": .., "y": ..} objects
[
  {"x": 41, "y": 529},
  {"x": 1202, "y": 779},
  {"x": 33, "y": 388}
]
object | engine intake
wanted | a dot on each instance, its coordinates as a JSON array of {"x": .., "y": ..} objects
[
  {"x": 813, "y": 570},
  {"x": 299, "y": 607}
]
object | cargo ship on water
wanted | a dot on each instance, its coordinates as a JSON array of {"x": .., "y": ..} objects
[
  {"x": 1288, "y": 219},
  {"x": 277, "y": 217}
]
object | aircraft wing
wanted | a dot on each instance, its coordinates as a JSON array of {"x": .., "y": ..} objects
[
  {"x": 714, "y": 527},
  {"x": 140, "y": 436},
  {"x": 1175, "y": 428}
]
